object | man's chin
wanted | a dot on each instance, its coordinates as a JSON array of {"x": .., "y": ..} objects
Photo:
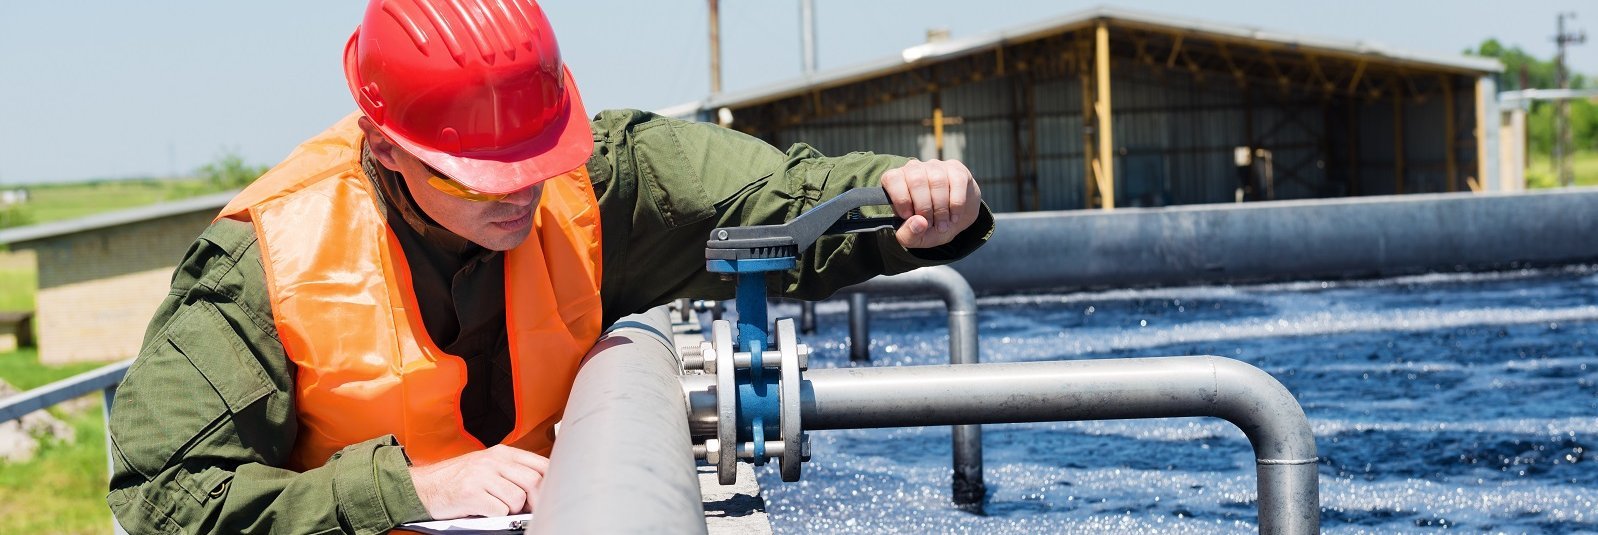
[{"x": 497, "y": 239}]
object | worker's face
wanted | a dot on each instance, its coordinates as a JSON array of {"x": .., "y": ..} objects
[{"x": 498, "y": 225}]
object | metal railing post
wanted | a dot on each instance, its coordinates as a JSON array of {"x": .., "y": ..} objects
[
  {"x": 104, "y": 379},
  {"x": 107, "y": 395}
]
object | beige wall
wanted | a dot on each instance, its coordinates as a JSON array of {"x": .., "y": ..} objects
[
  {"x": 98, "y": 289},
  {"x": 101, "y": 319}
]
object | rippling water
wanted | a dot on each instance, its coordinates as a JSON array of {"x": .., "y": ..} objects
[{"x": 1439, "y": 401}]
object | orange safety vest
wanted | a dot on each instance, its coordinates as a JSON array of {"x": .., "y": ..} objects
[{"x": 346, "y": 311}]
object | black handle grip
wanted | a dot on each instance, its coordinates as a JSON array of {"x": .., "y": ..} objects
[{"x": 830, "y": 217}]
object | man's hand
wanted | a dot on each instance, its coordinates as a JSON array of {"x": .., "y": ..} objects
[
  {"x": 937, "y": 200},
  {"x": 498, "y": 481}
]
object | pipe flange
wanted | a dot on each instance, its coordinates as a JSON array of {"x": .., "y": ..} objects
[
  {"x": 726, "y": 403},
  {"x": 792, "y": 432}
]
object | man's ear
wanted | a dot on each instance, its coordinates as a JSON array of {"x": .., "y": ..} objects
[{"x": 382, "y": 148}]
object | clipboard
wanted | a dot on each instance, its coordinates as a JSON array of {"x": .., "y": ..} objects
[{"x": 497, "y": 525}]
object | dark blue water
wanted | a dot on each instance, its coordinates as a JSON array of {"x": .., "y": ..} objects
[{"x": 1439, "y": 401}]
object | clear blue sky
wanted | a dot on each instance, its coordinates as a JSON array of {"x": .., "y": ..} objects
[{"x": 102, "y": 88}]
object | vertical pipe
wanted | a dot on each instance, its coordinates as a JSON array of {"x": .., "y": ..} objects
[
  {"x": 1106, "y": 139},
  {"x": 937, "y": 122},
  {"x": 968, "y": 489},
  {"x": 624, "y": 444},
  {"x": 807, "y": 317},
  {"x": 715, "y": 48},
  {"x": 961, "y": 302},
  {"x": 859, "y": 329},
  {"x": 807, "y": 35}
]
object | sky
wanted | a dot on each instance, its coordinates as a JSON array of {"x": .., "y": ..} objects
[{"x": 110, "y": 89}]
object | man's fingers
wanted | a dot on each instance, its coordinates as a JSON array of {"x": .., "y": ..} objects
[
  {"x": 938, "y": 189},
  {"x": 508, "y": 498},
  {"x": 528, "y": 479},
  {"x": 898, "y": 192},
  {"x": 960, "y": 182},
  {"x": 915, "y": 177},
  {"x": 912, "y": 232},
  {"x": 522, "y": 457}
]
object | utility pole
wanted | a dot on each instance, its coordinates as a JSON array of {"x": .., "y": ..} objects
[
  {"x": 1562, "y": 140},
  {"x": 807, "y": 35},
  {"x": 715, "y": 48}
]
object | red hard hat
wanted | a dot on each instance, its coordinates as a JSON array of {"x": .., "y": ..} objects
[{"x": 474, "y": 89}]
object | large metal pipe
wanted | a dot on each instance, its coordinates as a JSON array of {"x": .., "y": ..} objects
[
  {"x": 1360, "y": 236},
  {"x": 961, "y": 302},
  {"x": 1164, "y": 387},
  {"x": 624, "y": 462}
]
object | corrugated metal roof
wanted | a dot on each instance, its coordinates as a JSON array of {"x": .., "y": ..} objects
[
  {"x": 933, "y": 52},
  {"x": 208, "y": 203}
]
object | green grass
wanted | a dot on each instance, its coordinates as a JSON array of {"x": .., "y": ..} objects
[
  {"x": 18, "y": 280},
  {"x": 17, "y": 288},
  {"x": 22, "y": 369},
  {"x": 62, "y": 490},
  {"x": 1540, "y": 171},
  {"x": 55, "y": 202}
]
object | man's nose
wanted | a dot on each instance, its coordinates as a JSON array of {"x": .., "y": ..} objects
[{"x": 524, "y": 196}]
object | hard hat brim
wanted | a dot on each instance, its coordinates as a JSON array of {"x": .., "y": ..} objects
[{"x": 566, "y": 144}]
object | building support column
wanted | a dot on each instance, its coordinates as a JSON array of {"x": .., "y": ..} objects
[
  {"x": 1105, "y": 165},
  {"x": 1085, "y": 74}
]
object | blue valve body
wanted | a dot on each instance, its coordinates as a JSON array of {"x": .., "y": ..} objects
[{"x": 759, "y": 409}]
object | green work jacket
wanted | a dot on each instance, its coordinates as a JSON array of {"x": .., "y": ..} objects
[{"x": 205, "y": 420}]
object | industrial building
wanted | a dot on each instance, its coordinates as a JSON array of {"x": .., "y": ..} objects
[{"x": 1107, "y": 108}]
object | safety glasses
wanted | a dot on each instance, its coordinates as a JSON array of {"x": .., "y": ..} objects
[{"x": 458, "y": 190}]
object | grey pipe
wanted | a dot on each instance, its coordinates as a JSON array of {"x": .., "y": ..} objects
[
  {"x": 1356, "y": 236},
  {"x": 961, "y": 301},
  {"x": 1165, "y": 387},
  {"x": 624, "y": 462}
]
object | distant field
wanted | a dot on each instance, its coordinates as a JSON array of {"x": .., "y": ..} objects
[{"x": 67, "y": 201}]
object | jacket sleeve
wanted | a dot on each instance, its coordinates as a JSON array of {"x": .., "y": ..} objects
[
  {"x": 664, "y": 184},
  {"x": 204, "y": 422}
]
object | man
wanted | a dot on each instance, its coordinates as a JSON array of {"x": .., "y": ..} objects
[{"x": 420, "y": 281}]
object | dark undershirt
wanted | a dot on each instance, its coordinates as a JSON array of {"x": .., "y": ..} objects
[{"x": 461, "y": 293}]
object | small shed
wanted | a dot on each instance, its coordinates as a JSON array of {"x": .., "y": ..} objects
[{"x": 101, "y": 277}]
